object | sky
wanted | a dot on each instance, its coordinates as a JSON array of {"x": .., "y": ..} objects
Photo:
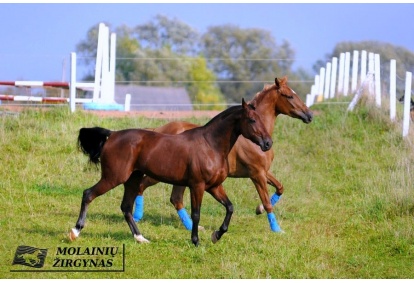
[{"x": 37, "y": 39}]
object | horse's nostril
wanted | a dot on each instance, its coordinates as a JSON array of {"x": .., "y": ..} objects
[{"x": 268, "y": 144}]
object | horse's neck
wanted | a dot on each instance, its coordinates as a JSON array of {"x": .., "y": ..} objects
[
  {"x": 223, "y": 134},
  {"x": 267, "y": 114}
]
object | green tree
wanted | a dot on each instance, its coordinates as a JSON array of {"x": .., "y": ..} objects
[
  {"x": 203, "y": 88},
  {"x": 245, "y": 57},
  {"x": 164, "y": 32}
]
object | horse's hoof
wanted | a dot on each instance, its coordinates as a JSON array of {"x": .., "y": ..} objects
[
  {"x": 140, "y": 239},
  {"x": 259, "y": 209},
  {"x": 214, "y": 238},
  {"x": 73, "y": 234}
]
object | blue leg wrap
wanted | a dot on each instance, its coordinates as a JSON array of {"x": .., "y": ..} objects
[
  {"x": 275, "y": 198},
  {"x": 273, "y": 222},
  {"x": 139, "y": 208},
  {"x": 185, "y": 218}
]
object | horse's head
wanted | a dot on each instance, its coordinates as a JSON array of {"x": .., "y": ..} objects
[
  {"x": 252, "y": 127},
  {"x": 287, "y": 101}
]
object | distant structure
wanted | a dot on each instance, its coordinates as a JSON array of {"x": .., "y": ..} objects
[{"x": 154, "y": 98}]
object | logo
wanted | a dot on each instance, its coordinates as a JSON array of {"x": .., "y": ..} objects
[
  {"x": 30, "y": 256},
  {"x": 70, "y": 259}
]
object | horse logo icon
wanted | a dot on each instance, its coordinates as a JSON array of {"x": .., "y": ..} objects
[{"x": 30, "y": 256}]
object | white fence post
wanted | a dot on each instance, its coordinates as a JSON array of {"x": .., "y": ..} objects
[
  {"x": 127, "y": 102},
  {"x": 341, "y": 73},
  {"x": 393, "y": 79},
  {"x": 354, "y": 71},
  {"x": 321, "y": 83},
  {"x": 346, "y": 73},
  {"x": 377, "y": 81},
  {"x": 407, "y": 102},
  {"x": 327, "y": 80},
  {"x": 333, "y": 79},
  {"x": 371, "y": 69},
  {"x": 98, "y": 63},
  {"x": 363, "y": 65},
  {"x": 72, "y": 85},
  {"x": 316, "y": 88}
]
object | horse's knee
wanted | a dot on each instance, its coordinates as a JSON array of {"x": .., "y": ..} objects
[{"x": 126, "y": 207}]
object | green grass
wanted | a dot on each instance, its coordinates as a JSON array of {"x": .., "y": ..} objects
[{"x": 347, "y": 209}]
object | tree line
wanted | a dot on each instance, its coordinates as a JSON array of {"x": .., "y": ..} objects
[{"x": 221, "y": 65}]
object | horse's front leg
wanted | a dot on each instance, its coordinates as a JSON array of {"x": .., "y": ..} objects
[
  {"x": 196, "y": 193},
  {"x": 220, "y": 195},
  {"x": 260, "y": 182},
  {"x": 130, "y": 194},
  {"x": 271, "y": 180},
  {"x": 88, "y": 196}
]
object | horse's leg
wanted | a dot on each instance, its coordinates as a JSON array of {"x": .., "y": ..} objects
[
  {"x": 177, "y": 200},
  {"x": 88, "y": 196},
  {"x": 139, "y": 200},
  {"x": 196, "y": 194},
  {"x": 128, "y": 202},
  {"x": 271, "y": 180},
  {"x": 220, "y": 195},
  {"x": 260, "y": 183}
]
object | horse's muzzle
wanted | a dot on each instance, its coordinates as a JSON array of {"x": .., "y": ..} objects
[
  {"x": 266, "y": 144},
  {"x": 306, "y": 117}
]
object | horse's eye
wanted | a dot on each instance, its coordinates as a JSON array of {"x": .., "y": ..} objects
[
  {"x": 289, "y": 96},
  {"x": 251, "y": 120}
]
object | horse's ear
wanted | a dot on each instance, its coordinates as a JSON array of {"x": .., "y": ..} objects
[
  {"x": 244, "y": 103},
  {"x": 277, "y": 83},
  {"x": 253, "y": 104}
]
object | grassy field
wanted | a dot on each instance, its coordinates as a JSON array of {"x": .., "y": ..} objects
[{"x": 347, "y": 210}]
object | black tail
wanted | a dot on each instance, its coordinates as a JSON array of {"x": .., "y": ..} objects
[{"x": 91, "y": 142}]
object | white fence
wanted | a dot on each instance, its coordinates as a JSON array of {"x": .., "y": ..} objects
[
  {"x": 103, "y": 87},
  {"x": 331, "y": 82}
]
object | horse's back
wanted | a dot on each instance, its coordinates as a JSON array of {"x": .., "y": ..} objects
[{"x": 175, "y": 127}]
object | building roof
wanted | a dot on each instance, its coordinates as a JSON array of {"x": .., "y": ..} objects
[{"x": 154, "y": 98}]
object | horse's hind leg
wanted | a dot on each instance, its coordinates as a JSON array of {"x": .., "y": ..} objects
[
  {"x": 89, "y": 195},
  {"x": 220, "y": 195},
  {"x": 177, "y": 200},
  {"x": 127, "y": 204},
  {"x": 271, "y": 180},
  {"x": 139, "y": 200}
]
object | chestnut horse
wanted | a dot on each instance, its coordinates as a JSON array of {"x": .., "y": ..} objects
[
  {"x": 245, "y": 159},
  {"x": 196, "y": 158}
]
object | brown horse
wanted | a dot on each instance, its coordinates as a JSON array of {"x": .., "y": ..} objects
[
  {"x": 245, "y": 159},
  {"x": 196, "y": 158}
]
